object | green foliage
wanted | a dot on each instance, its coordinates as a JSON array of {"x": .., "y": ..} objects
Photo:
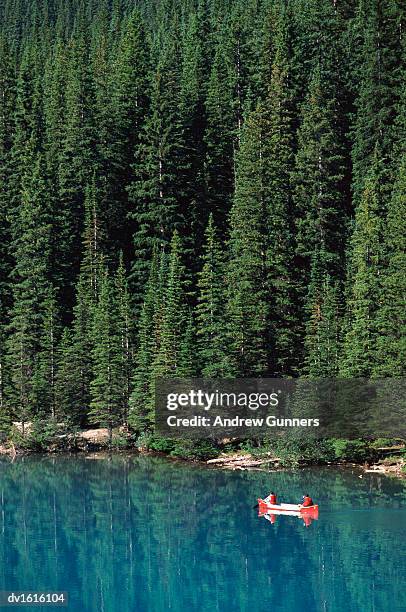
[
  {"x": 211, "y": 323},
  {"x": 352, "y": 450},
  {"x": 243, "y": 161},
  {"x": 200, "y": 450},
  {"x": 248, "y": 299},
  {"x": 364, "y": 276}
]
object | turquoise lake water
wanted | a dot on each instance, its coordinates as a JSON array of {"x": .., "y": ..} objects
[{"x": 146, "y": 534}]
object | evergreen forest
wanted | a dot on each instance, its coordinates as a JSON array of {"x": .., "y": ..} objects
[{"x": 209, "y": 188}]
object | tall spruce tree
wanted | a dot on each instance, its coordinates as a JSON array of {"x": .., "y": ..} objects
[
  {"x": 390, "y": 317},
  {"x": 377, "y": 71},
  {"x": 219, "y": 139},
  {"x": 278, "y": 159},
  {"x": 125, "y": 331},
  {"x": 77, "y": 158},
  {"x": 141, "y": 401},
  {"x": 211, "y": 325},
  {"x": 106, "y": 405},
  {"x": 157, "y": 190},
  {"x": 360, "y": 343},
  {"x": 31, "y": 290},
  {"x": 248, "y": 295},
  {"x": 322, "y": 345},
  {"x": 174, "y": 315},
  {"x": 87, "y": 293}
]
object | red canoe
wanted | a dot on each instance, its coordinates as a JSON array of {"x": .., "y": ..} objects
[{"x": 292, "y": 509}]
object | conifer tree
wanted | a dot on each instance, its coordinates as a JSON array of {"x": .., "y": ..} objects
[
  {"x": 7, "y": 101},
  {"x": 219, "y": 139},
  {"x": 77, "y": 159},
  {"x": 47, "y": 358},
  {"x": 69, "y": 411},
  {"x": 130, "y": 92},
  {"x": 363, "y": 278},
  {"x": 391, "y": 340},
  {"x": 211, "y": 331},
  {"x": 277, "y": 158},
  {"x": 319, "y": 188},
  {"x": 157, "y": 189},
  {"x": 31, "y": 245},
  {"x": 124, "y": 324},
  {"x": 248, "y": 299},
  {"x": 106, "y": 406},
  {"x": 141, "y": 406},
  {"x": 377, "y": 71},
  {"x": 323, "y": 320},
  {"x": 174, "y": 319},
  {"x": 87, "y": 293}
]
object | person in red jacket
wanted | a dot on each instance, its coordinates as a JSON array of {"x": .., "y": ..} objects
[
  {"x": 272, "y": 498},
  {"x": 307, "y": 501}
]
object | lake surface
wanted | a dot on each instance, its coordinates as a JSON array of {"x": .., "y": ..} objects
[{"x": 146, "y": 534}]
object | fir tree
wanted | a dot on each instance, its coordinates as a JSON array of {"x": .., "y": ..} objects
[
  {"x": 124, "y": 324},
  {"x": 210, "y": 318},
  {"x": 174, "y": 320},
  {"x": 219, "y": 140},
  {"x": 390, "y": 317},
  {"x": 87, "y": 293},
  {"x": 31, "y": 245},
  {"x": 278, "y": 159},
  {"x": 364, "y": 290},
  {"x": 77, "y": 162},
  {"x": 323, "y": 321},
  {"x": 141, "y": 407},
  {"x": 159, "y": 166},
  {"x": 248, "y": 300},
  {"x": 378, "y": 72},
  {"x": 106, "y": 407}
]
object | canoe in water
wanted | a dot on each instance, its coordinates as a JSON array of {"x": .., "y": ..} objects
[{"x": 265, "y": 506}]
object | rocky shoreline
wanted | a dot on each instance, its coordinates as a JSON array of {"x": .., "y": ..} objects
[{"x": 94, "y": 441}]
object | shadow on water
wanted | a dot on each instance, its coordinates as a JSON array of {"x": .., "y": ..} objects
[{"x": 146, "y": 534}]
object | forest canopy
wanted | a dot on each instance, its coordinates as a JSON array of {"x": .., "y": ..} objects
[{"x": 196, "y": 188}]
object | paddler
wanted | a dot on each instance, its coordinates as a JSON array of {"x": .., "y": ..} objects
[
  {"x": 307, "y": 501},
  {"x": 272, "y": 498}
]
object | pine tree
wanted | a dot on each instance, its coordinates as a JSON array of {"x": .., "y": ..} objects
[
  {"x": 277, "y": 157},
  {"x": 7, "y": 101},
  {"x": 390, "y": 318},
  {"x": 323, "y": 324},
  {"x": 320, "y": 193},
  {"x": 210, "y": 319},
  {"x": 77, "y": 160},
  {"x": 248, "y": 301},
  {"x": 31, "y": 245},
  {"x": 175, "y": 316},
  {"x": 187, "y": 363},
  {"x": 130, "y": 92},
  {"x": 219, "y": 140},
  {"x": 124, "y": 324},
  {"x": 87, "y": 293},
  {"x": 363, "y": 279},
  {"x": 47, "y": 358},
  {"x": 193, "y": 87},
  {"x": 106, "y": 407},
  {"x": 5, "y": 414},
  {"x": 141, "y": 401},
  {"x": 378, "y": 72},
  {"x": 69, "y": 411},
  {"x": 157, "y": 190}
]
